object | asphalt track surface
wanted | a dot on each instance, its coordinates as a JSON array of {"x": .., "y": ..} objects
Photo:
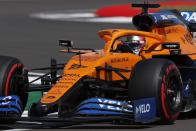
[{"x": 36, "y": 41}]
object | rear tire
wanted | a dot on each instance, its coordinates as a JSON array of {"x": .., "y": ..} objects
[
  {"x": 159, "y": 78},
  {"x": 10, "y": 84}
]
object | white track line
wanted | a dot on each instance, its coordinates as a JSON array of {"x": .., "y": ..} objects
[
  {"x": 120, "y": 20},
  {"x": 63, "y": 16},
  {"x": 80, "y": 16}
]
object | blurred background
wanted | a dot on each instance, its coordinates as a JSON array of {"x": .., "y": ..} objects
[{"x": 34, "y": 40}]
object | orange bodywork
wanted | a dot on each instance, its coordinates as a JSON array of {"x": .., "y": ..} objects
[{"x": 85, "y": 64}]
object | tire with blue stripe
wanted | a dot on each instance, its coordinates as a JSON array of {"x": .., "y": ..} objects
[{"x": 11, "y": 84}]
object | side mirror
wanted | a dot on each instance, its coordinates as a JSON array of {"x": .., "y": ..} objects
[
  {"x": 174, "y": 48},
  {"x": 66, "y": 43},
  {"x": 172, "y": 45}
]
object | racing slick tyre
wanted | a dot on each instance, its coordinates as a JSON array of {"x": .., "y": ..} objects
[
  {"x": 11, "y": 84},
  {"x": 159, "y": 78}
]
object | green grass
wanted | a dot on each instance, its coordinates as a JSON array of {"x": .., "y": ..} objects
[{"x": 33, "y": 97}]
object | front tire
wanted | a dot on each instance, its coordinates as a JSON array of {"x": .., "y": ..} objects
[
  {"x": 159, "y": 78},
  {"x": 10, "y": 82}
]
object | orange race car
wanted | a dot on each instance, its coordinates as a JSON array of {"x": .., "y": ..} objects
[{"x": 142, "y": 75}]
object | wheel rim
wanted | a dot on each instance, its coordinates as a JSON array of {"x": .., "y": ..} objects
[{"x": 173, "y": 93}]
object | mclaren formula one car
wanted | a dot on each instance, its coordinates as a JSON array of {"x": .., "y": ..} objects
[{"x": 140, "y": 76}]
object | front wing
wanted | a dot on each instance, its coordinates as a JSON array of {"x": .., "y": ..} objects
[
  {"x": 93, "y": 110},
  {"x": 10, "y": 107}
]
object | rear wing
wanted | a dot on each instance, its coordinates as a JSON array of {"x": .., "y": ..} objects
[{"x": 190, "y": 18}]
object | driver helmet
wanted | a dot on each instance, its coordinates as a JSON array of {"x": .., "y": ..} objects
[{"x": 135, "y": 43}]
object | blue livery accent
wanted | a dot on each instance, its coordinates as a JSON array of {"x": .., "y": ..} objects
[
  {"x": 103, "y": 106},
  {"x": 10, "y": 104},
  {"x": 98, "y": 112},
  {"x": 186, "y": 91},
  {"x": 104, "y": 101},
  {"x": 194, "y": 63},
  {"x": 165, "y": 15},
  {"x": 145, "y": 110},
  {"x": 10, "y": 98},
  {"x": 189, "y": 16},
  {"x": 7, "y": 110}
]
